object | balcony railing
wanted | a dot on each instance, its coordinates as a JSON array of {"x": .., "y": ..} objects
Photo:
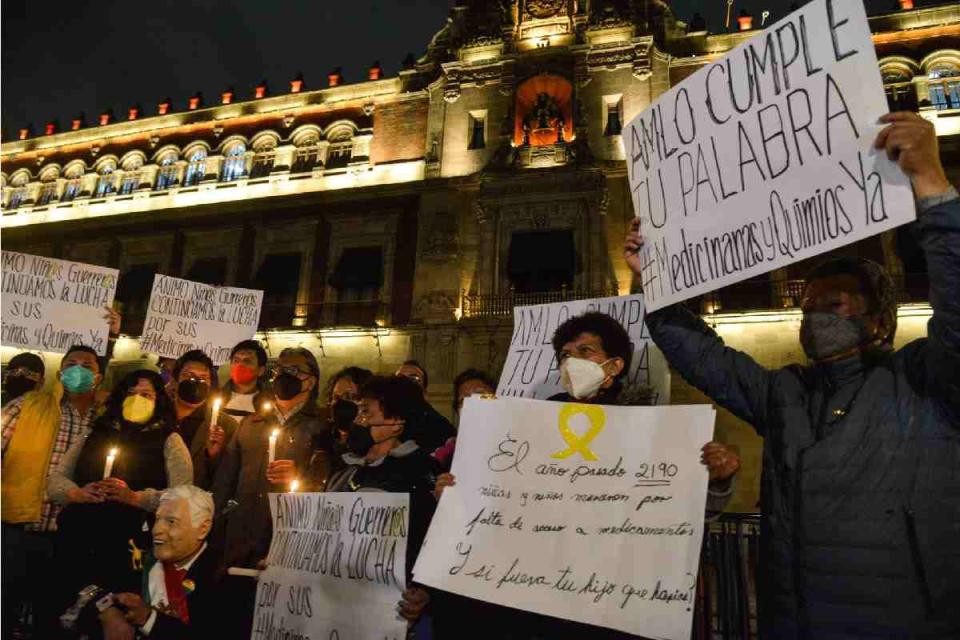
[
  {"x": 502, "y": 304},
  {"x": 726, "y": 606},
  {"x": 762, "y": 293}
]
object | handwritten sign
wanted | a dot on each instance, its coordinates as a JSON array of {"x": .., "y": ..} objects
[
  {"x": 51, "y": 304},
  {"x": 764, "y": 157},
  {"x": 336, "y": 567},
  {"x": 185, "y": 315},
  {"x": 531, "y": 369},
  {"x": 577, "y": 511}
]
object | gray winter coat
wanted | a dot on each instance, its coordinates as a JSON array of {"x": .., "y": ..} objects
[{"x": 860, "y": 490}]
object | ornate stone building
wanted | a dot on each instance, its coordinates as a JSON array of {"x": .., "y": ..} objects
[{"x": 404, "y": 217}]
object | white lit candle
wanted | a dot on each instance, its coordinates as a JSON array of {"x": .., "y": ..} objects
[
  {"x": 216, "y": 413},
  {"x": 108, "y": 467},
  {"x": 266, "y": 407},
  {"x": 294, "y": 485},
  {"x": 272, "y": 451}
]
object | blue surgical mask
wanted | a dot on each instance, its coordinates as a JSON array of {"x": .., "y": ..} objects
[{"x": 77, "y": 379}]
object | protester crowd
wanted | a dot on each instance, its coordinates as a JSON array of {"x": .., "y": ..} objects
[{"x": 154, "y": 490}]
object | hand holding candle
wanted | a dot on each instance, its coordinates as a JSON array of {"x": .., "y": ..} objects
[
  {"x": 215, "y": 414},
  {"x": 282, "y": 472},
  {"x": 272, "y": 448},
  {"x": 108, "y": 467}
]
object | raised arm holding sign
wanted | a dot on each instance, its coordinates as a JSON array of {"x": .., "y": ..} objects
[
  {"x": 764, "y": 157},
  {"x": 185, "y": 315},
  {"x": 861, "y": 449},
  {"x": 52, "y": 305}
]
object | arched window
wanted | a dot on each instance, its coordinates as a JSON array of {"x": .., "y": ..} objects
[
  {"x": 307, "y": 156},
  {"x": 71, "y": 189},
  {"x": 167, "y": 174},
  {"x": 340, "y": 149},
  {"x": 107, "y": 182},
  {"x": 131, "y": 174},
  {"x": 264, "y": 157},
  {"x": 234, "y": 162},
  {"x": 18, "y": 191},
  {"x": 943, "y": 78},
  {"x": 48, "y": 188},
  {"x": 944, "y": 89},
  {"x": 196, "y": 167}
]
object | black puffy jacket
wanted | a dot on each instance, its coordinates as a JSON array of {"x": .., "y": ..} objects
[{"x": 861, "y": 468}]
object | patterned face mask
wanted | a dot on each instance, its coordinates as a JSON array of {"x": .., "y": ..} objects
[{"x": 824, "y": 335}]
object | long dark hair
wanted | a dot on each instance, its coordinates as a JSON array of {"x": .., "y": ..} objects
[
  {"x": 357, "y": 375},
  {"x": 163, "y": 411}
]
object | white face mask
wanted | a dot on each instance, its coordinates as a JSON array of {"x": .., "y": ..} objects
[{"x": 581, "y": 378}]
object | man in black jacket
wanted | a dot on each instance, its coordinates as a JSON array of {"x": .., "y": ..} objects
[{"x": 860, "y": 491}]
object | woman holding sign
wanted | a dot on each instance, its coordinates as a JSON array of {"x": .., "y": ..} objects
[
  {"x": 383, "y": 455},
  {"x": 111, "y": 484}
]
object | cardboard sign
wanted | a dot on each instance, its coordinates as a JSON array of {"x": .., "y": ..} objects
[
  {"x": 577, "y": 511},
  {"x": 764, "y": 157},
  {"x": 336, "y": 567},
  {"x": 185, "y": 315},
  {"x": 51, "y": 304},
  {"x": 531, "y": 369}
]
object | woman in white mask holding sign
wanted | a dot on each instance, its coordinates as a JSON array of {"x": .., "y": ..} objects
[{"x": 594, "y": 353}]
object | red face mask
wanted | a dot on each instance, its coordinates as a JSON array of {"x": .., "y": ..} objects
[{"x": 242, "y": 374}]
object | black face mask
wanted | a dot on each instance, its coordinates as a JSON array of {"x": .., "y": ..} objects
[
  {"x": 193, "y": 391},
  {"x": 287, "y": 386},
  {"x": 343, "y": 414},
  {"x": 16, "y": 386},
  {"x": 359, "y": 440}
]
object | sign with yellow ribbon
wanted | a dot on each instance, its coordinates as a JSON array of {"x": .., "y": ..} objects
[{"x": 577, "y": 443}]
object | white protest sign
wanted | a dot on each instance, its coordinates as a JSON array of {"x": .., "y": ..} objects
[
  {"x": 51, "y": 304},
  {"x": 336, "y": 567},
  {"x": 185, "y": 315},
  {"x": 578, "y": 511},
  {"x": 531, "y": 369},
  {"x": 764, "y": 157}
]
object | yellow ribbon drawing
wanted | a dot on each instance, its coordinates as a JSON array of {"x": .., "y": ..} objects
[
  {"x": 577, "y": 443},
  {"x": 136, "y": 555}
]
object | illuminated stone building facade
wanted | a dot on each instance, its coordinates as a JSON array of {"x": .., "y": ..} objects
[{"x": 404, "y": 217}]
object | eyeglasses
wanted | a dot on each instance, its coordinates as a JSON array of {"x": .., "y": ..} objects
[
  {"x": 22, "y": 371},
  {"x": 293, "y": 370}
]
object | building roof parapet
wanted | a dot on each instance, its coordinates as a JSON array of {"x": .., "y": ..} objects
[
  {"x": 370, "y": 90},
  {"x": 916, "y": 18}
]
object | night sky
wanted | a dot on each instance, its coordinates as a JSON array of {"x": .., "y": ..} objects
[{"x": 59, "y": 59}]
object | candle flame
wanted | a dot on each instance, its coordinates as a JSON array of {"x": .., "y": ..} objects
[
  {"x": 217, "y": 403},
  {"x": 275, "y": 434},
  {"x": 113, "y": 452},
  {"x": 266, "y": 406},
  {"x": 294, "y": 485}
]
